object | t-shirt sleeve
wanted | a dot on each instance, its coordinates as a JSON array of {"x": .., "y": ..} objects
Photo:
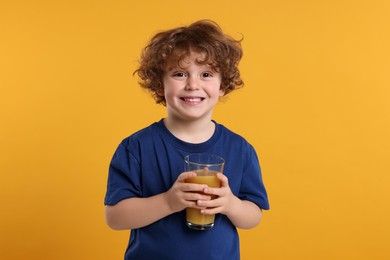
[
  {"x": 123, "y": 176},
  {"x": 252, "y": 186}
]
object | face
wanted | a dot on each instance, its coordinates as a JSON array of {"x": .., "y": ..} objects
[{"x": 191, "y": 90}]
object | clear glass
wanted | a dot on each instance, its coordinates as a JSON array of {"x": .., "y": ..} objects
[{"x": 206, "y": 166}]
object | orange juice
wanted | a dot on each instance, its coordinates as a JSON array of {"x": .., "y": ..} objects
[{"x": 203, "y": 177}]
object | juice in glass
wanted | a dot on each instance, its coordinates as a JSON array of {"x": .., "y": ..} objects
[
  {"x": 195, "y": 219},
  {"x": 206, "y": 166}
]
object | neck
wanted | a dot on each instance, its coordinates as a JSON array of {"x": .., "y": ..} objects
[{"x": 191, "y": 131}]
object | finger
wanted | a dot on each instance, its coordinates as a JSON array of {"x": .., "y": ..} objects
[
  {"x": 185, "y": 175},
  {"x": 210, "y": 203},
  {"x": 193, "y": 187},
  {"x": 213, "y": 191},
  {"x": 197, "y": 207},
  {"x": 210, "y": 211},
  {"x": 224, "y": 179},
  {"x": 192, "y": 204},
  {"x": 194, "y": 196}
]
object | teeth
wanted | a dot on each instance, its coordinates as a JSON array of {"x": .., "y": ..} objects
[{"x": 192, "y": 99}]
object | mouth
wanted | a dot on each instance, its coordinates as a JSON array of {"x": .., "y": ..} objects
[{"x": 192, "y": 99}]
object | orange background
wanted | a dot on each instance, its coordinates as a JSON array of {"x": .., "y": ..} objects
[{"x": 316, "y": 106}]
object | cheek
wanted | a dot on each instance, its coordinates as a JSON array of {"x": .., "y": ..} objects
[{"x": 169, "y": 92}]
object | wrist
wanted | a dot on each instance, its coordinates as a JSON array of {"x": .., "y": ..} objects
[
  {"x": 233, "y": 206},
  {"x": 166, "y": 202}
]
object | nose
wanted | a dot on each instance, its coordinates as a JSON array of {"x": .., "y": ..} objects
[{"x": 192, "y": 83}]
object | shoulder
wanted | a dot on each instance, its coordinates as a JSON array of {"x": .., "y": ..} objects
[
  {"x": 239, "y": 147},
  {"x": 232, "y": 137},
  {"x": 226, "y": 131},
  {"x": 143, "y": 137}
]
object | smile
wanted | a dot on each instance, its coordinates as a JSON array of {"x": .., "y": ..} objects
[{"x": 192, "y": 99}]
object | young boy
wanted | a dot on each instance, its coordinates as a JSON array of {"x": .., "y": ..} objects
[{"x": 187, "y": 69}]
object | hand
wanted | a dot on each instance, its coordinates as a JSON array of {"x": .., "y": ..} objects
[
  {"x": 183, "y": 195},
  {"x": 223, "y": 200}
]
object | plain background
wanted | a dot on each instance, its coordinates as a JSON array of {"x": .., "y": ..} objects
[{"x": 316, "y": 106}]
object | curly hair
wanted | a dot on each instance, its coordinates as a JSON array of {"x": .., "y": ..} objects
[{"x": 222, "y": 53}]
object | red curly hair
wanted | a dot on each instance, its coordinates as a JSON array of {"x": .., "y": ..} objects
[{"x": 222, "y": 53}]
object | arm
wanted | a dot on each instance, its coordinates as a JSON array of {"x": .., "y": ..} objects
[
  {"x": 242, "y": 213},
  {"x": 136, "y": 212},
  {"x": 139, "y": 212}
]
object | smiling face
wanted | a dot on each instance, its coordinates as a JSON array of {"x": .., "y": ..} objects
[{"x": 191, "y": 90}]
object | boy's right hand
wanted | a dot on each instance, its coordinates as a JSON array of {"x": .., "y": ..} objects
[{"x": 185, "y": 195}]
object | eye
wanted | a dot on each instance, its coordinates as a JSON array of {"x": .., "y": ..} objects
[
  {"x": 206, "y": 74},
  {"x": 179, "y": 74}
]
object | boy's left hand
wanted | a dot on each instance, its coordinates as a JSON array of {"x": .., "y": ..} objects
[{"x": 221, "y": 203}]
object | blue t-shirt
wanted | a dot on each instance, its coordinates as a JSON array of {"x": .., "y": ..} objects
[{"x": 148, "y": 162}]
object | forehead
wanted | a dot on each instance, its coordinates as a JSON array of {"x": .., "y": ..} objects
[
  {"x": 186, "y": 59},
  {"x": 192, "y": 56}
]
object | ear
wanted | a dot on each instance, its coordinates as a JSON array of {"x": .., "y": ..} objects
[
  {"x": 222, "y": 91},
  {"x": 160, "y": 92}
]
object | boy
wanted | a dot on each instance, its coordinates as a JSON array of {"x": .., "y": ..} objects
[{"x": 187, "y": 69}]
